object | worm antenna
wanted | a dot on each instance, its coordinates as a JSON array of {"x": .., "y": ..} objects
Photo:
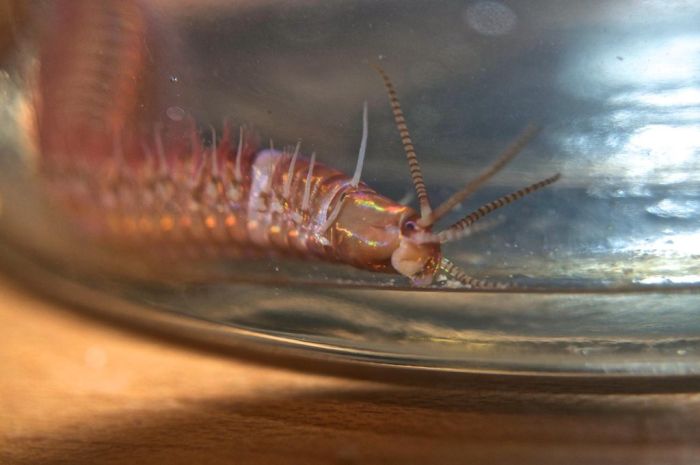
[
  {"x": 461, "y": 228},
  {"x": 413, "y": 165},
  {"x": 290, "y": 172},
  {"x": 503, "y": 159},
  {"x": 363, "y": 148},
  {"x": 473, "y": 283}
]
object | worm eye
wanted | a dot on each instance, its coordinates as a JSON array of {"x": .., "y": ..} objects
[{"x": 409, "y": 227}]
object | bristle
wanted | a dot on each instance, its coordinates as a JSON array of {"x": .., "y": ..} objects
[
  {"x": 148, "y": 166},
  {"x": 332, "y": 217},
  {"x": 307, "y": 187},
  {"x": 363, "y": 148},
  {"x": 290, "y": 172},
  {"x": 214, "y": 154},
  {"x": 199, "y": 165},
  {"x": 239, "y": 154}
]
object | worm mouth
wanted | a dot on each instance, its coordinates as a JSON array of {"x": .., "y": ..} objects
[
  {"x": 418, "y": 262},
  {"x": 422, "y": 279}
]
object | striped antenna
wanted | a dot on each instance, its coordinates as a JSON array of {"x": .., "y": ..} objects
[
  {"x": 363, "y": 148},
  {"x": 413, "y": 165},
  {"x": 461, "y": 228},
  {"x": 504, "y": 158},
  {"x": 473, "y": 283}
]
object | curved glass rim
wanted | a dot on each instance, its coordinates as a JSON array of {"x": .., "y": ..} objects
[{"x": 325, "y": 359}]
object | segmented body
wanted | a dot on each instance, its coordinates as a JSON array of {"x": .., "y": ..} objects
[
  {"x": 159, "y": 190},
  {"x": 177, "y": 195},
  {"x": 155, "y": 189}
]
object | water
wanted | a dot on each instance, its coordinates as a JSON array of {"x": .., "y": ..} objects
[{"x": 612, "y": 248}]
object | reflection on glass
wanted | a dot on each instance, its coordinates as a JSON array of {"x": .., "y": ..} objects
[{"x": 645, "y": 75}]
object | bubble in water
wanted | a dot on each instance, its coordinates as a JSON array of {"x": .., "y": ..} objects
[
  {"x": 175, "y": 113},
  {"x": 490, "y": 18}
]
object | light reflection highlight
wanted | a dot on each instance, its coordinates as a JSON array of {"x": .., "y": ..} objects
[
  {"x": 646, "y": 130},
  {"x": 661, "y": 153},
  {"x": 668, "y": 245},
  {"x": 670, "y": 208},
  {"x": 681, "y": 97},
  {"x": 657, "y": 280}
]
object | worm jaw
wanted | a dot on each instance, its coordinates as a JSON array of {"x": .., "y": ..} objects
[{"x": 419, "y": 261}]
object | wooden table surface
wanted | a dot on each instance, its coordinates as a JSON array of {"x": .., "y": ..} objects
[{"x": 75, "y": 390}]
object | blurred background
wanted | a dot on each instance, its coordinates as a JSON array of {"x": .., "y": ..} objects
[{"x": 604, "y": 359}]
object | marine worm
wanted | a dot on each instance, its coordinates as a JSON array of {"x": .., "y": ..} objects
[{"x": 235, "y": 194}]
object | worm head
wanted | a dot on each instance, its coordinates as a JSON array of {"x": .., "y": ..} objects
[
  {"x": 372, "y": 232},
  {"x": 414, "y": 259},
  {"x": 366, "y": 230}
]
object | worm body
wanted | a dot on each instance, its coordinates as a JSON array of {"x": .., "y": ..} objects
[
  {"x": 234, "y": 196},
  {"x": 161, "y": 191}
]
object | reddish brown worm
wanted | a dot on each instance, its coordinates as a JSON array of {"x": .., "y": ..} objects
[{"x": 169, "y": 189}]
